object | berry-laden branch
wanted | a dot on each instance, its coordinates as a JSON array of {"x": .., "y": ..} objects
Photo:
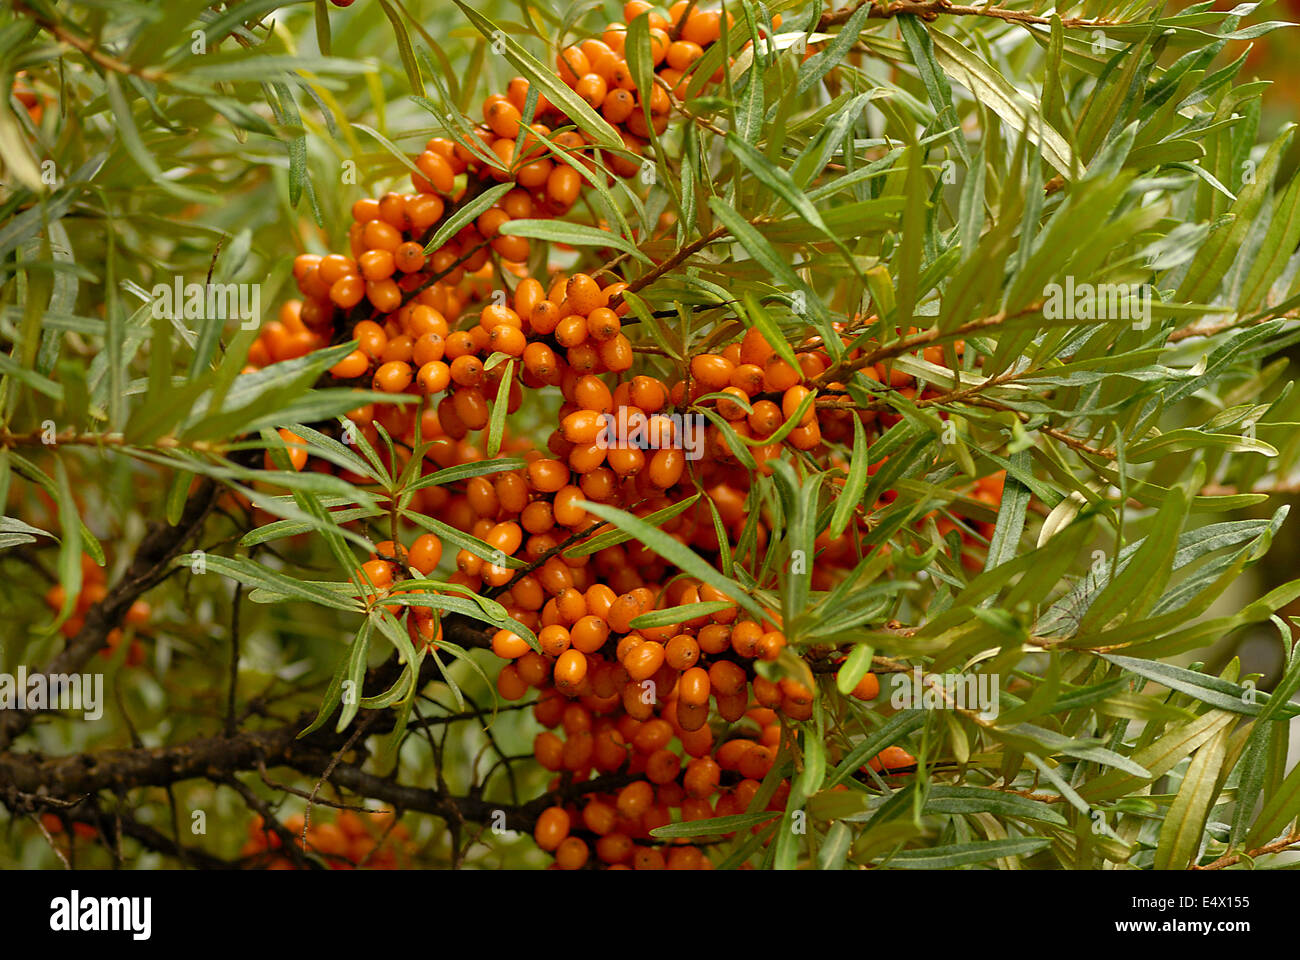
[
  {"x": 32, "y": 783},
  {"x": 687, "y": 715},
  {"x": 405, "y": 306}
]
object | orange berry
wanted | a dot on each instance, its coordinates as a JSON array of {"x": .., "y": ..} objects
[
  {"x": 770, "y": 645},
  {"x": 409, "y": 257},
  {"x": 891, "y": 758},
  {"x": 603, "y": 324},
  {"x": 509, "y": 645},
  {"x": 570, "y": 670},
  {"x": 381, "y": 235},
  {"x": 592, "y": 87},
  {"x": 702, "y": 27},
  {"x": 425, "y": 553},
  {"x": 379, "y": 573},
  {"x": 296, "y": 449},
  {"x": 562, "y": 186},
  {"x": 547, "y": 476},
  {"x": 682, "y": 54},
  {"x": 346, "y": 292},
  {"x": 393, "y": 377},
  {"x": 434, "y": 377},
  {"x": 712, "y": 371},
  {"x": 552, "y": 828},
  {"x": 466, "y": 370},
  {"x": 571, "y": 854},
  {"x": 666, "y": 467},
  {"x": 437, "y": 170},
  {"x": 617, "y": 105},
  {"x": 644, "y": 660},
  {"x": 354, "y": 365}
]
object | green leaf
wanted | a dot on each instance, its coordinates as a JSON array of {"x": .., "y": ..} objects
[
  {"x": 14, "y": 532},
  {"x": 712, "y": 826},
  {"x": 574, "y": 234},
  {"x": 856, "y": 666},
  {"x": 850, "y": 496},
  {"x": 1132, "y": 592},
  {"x": 1217, "y": 253},
  {"x": 1158, "y": 757},
  {"x": 993, "y": 91},
  {"x": 1211, "y": 690},
  {"x": 615, "y": 537},
  {"x": 675, "y": 552},
  {"x": 1027, "y": 735},
  {"x": 497, "y": 424},
  {"x": 1011, "y": 516},
  {"x": 1254, "y": 770},
  {"x": 466, "y": 471},
  {"x": 761, "y": 319},
  {"x": 671, "y": 616},
  {"x": 460, "y": 539},
  {"x": 835, "y": 848},
  {"x": 466, "y": 214},
  {"x": 936, "y": 83},
  {"x": 253, "y": 574},
  {"x": 70, "y": 545},
  {"x": 1180, "y": 834},
  {"x": 1283, "y": 236},
  {"x": 1279, "y": 811},
  {"x": 333, "y": 694},
  {"x": 355, "y": 675},
  {"x": 403, "y": 48},
  {"x": 963, "y": 854},
  {"x": 968, "y": 800},
  {"x": 894, "y": 729}
]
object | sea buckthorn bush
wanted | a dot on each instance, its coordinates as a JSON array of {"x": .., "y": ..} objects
[{"x": 706, "y": 436}]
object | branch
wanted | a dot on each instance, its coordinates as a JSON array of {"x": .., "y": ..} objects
[
  {"x": 677, "y": 258},
  {"x": 903, "y": 345},
  {"x": 88, "y": 48},
  {"x": 1277, "y": 846},
  {"x": 30, "y": 780}
]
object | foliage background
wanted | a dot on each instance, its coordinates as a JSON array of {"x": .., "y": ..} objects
[{"x": 172, "y": 163}]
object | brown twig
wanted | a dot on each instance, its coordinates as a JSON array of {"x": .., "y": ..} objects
[
  {"x": 903, "y": 345},
  {"x": 87, "y": 47},
  {"x": 1277, "y": 846}
]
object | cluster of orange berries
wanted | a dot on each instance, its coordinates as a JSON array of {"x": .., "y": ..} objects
[
  {"x": 643, "y": 710},
  {"x": 94, "y": 588},
  {"x": 703, "y": 781},
  {"x": 596, "y": 70},
  {"x": 692, "y": 712},
  {"x": 624, "y": 696},
  {"x": 388, "y": 267},
  {"x": 350, "y": 841}
]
